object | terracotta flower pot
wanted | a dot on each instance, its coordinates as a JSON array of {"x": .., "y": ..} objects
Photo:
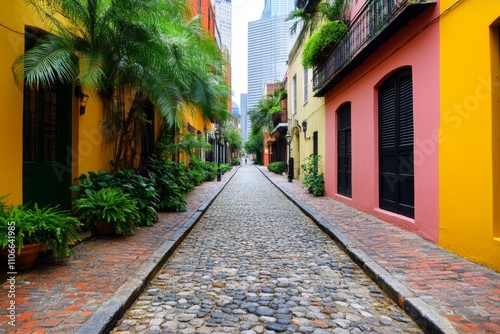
[
  {"x": 26, "y": 259},
  {"x": 105, "y": 228}
]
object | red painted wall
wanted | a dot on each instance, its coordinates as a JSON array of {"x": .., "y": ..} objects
[{"x": 410, "y": 47}]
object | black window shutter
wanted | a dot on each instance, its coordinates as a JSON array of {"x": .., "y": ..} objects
[
  {"x": 396, "y": 144},
  {"x": 315, "y": 142},
  {"x": 344, "y": 151}
]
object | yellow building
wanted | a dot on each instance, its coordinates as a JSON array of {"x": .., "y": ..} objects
[
  {"x": 47, "y": 143},
  {"x": 51, "y": 136},
  {"x": 469, "y": 147},
  {"x": 306, "y": 113}
]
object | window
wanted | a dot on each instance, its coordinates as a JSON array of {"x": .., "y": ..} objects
[
  {"x": 344, "y": 150},
  {"x": 396, "y": 172},
  {"x": 315, "y": 142},
  {"x": 294, "y": 94},
  {"x": 306, "y": 85}
]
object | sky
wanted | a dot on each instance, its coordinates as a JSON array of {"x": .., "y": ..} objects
[{"x": 243, "y": 11}]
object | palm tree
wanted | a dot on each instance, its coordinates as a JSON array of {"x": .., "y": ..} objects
[
  {"x": 262, "y": 116},
  {"x": 115, "y": 48}
]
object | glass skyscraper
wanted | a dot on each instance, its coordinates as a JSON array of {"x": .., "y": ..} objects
[
  {"x": 277, "y": 8},
  {"x": 269, "y": 43}
]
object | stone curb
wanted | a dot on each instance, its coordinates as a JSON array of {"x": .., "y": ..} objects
[
  {"x": 417, "y": 309},
  {"x": 105, "y": 317}
]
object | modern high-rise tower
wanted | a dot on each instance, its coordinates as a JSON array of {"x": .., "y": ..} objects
[
  {"x": 277, "y": 8},
  {"x": 223, "y": 16},
  {"x": 244, "y": 117},
  {"x": 269, "y": 43}
]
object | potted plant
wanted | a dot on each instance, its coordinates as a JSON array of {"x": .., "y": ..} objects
[
  {"x": 321, "y": 42},
  {"x": 108, "y": 210},
  {"x": 25, "y": 230}
]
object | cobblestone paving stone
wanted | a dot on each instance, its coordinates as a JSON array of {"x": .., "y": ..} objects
[{"x": 255, "y": 263}]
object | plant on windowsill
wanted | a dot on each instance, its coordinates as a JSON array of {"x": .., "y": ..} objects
[
  {"x": 108, "y": 211},
  {"x": 25, "y": 230}
]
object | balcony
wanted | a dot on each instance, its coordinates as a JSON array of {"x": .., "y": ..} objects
[
  {"x": 280, "y": 122},
  {"x": 308, "y": 5},
  {"x": 375, "y": 23}
]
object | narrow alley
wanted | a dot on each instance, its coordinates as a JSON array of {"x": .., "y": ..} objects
[{"x": 255, "y": 263}]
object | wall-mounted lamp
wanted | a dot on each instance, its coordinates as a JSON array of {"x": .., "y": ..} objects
[
  {"x": 304, "y": 127},
  {"x": 83, "y": 98},
  {"x": 288, "y": 138}
]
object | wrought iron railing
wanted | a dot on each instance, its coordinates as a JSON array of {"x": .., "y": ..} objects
[
  {"x": 370, "y": 21},
  {"x": 280, "y": 118}
]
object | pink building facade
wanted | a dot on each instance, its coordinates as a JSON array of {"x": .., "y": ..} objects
[{"x": 382, "y": 122}]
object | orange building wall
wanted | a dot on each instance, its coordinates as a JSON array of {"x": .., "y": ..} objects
[{"x": 206, "y": 12}]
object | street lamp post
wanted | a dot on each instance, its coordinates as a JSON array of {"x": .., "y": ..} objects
[
  {"x": 217, "y": 140},
  {"x": 290, "y": 159}
]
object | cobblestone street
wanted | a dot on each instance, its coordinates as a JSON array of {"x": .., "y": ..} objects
[{"x": 255, "y": 263}]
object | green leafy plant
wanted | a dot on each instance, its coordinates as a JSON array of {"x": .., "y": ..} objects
[
  {"x": 235, "y": 161},
  {"x": 182, "y": 177},
  {"x": 109, "y": 205},
  {"x": 313, "y": 180},
  {"x": 91, "y": 183},
  {"x": 277, "y": 167},
  {"x": 322, "y": 39},
  {"x": 187, "y": 143},
  {"x": 139, "y": 187},
  {"x": 29, "y": 224},
  {"x": 225, "y": 168},
  {"x": 166, "y": 178},
  {"x": 206, "y": 168},
  {"x": 142, "y": 189}
]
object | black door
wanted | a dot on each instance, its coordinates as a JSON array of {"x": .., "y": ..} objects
[
  {"x": 396, "y": 144},
  {"x": 47, "y": 144},
  {"x": 344, "y": 151}
]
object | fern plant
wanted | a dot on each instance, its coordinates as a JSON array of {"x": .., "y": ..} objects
[
  {"x": 29, "y": 224},
  {"x": 109, "y": 205}
]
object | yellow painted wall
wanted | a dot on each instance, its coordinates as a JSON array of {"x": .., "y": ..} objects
[
  {"x": 13, "y": 17},
  {"x": 89, "y": 151},
  {"x": 313, "y": 110},
  {"x": 86, "y": 152},
  {"x": 193, "y": 117},
  {"x": 469, "y": 97}
]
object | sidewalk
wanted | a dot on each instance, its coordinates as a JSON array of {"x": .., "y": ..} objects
[
  {"x": 421, "y": 277},
  {"x": 106, "y": 274}
]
